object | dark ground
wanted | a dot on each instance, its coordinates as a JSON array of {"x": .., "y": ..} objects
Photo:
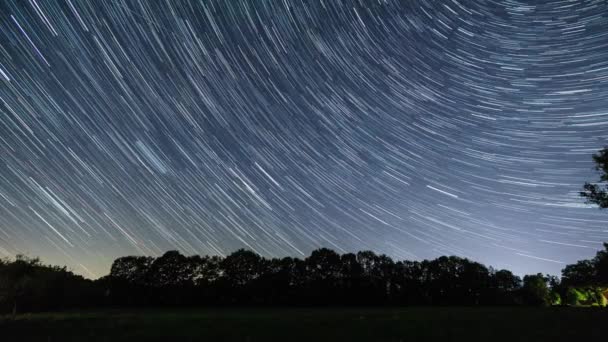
[{"x": 316, "y": 324}]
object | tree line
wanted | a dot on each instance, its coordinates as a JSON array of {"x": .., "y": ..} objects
[
  {"x": 323, "y": 278},
  {"x": 328, "y": 278}
]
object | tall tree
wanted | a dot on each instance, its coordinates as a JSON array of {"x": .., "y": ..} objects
[
  {"x": 503, "y": 287},
  {"x": 171, "y": 269},
  {"x": 597, "y": 193},
  {"x": 580, "y": 274},
  {"x": 17, "y": 280},
  {"x": 323, "y": 270},
  {"x": 133, "y": 269},
  {"x": 535, "y": 290},
  {"x": 242, "y": 267}
]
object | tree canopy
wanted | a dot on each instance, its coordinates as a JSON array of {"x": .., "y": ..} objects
[{"x": 323, "y": 278}]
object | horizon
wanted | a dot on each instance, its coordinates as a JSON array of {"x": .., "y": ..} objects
[
  {"x": 302, "y": 258},
  {"x": 414, "y": 130}
]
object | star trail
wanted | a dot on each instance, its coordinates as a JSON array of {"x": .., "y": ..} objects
[{"x": 411, "y": 128}]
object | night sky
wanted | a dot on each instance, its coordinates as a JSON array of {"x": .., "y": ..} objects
[{"x": 410, "y": 128}]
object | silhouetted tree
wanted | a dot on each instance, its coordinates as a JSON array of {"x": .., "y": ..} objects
[
  {"x": 128, "y": 280},
  {"x": 171, "y": 277},
  {"x": 171, "y": 269},
  {"x": 535, "y": 290},
  {"x": 323, "y": 275},
  {"x": 280, "y": 277},
  {"x": 453, "y": 280},
  {"x": 601, "y": 266},
  {"x": 410, "y": 281},
  {"x": 351, "y": 281},
  {"x": 586, "y": 281},
  {"x": 377, "y": 280},
  {"x": 597, "y": 193},
  {"x": 28, "y": 285},
  {"x": 581, "y": 273},
  {"x": 133, "y": 269},
  {"x": 242, "y": 267},
  {"x": 17, "y": 280},
  {"x": 505, "y": 281},
  {"x": 591, "y": 274},
  {"x": 206, "y": 271},
  {"x": 240, "y": 273}
]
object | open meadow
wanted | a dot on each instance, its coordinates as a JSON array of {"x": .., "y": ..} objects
[{"x": 312, "y": 324}]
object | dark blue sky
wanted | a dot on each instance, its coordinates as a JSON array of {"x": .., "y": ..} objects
[{"x": 411, "y": 128}]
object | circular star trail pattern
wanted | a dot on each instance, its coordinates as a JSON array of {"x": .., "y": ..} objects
[{"x": 411, "y": 128}]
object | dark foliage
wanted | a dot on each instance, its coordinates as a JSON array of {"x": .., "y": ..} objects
[
  {"x": 597, "y": 193},
  {"x": 586, "y": 279},
  {"x": 28, "y": 285},
  {"x": 535, "y": 290},
  {"x": 325, "y": 278}
]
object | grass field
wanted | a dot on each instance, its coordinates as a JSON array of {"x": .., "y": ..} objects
[{"x": 331, "y": 324}]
